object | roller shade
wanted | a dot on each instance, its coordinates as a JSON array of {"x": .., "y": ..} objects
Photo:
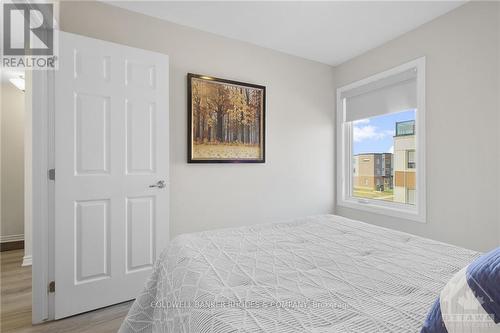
[{"x": 391, "y": 94}]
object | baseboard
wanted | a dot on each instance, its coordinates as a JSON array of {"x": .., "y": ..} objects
[
  {"x": 27, "y": 261},
  {"x": 11, "y": 238},
  {"x": 11, "y": 242},
  {"x": 9, "y": 246}
]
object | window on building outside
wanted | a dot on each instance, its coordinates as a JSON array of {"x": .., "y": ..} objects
[
  {"x": 411, "y": 159},
  {"x": 379, "y": 121}
]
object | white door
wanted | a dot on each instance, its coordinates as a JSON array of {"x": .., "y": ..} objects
[{"x": 111, "y": 146}]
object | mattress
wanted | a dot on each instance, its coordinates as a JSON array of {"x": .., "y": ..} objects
[{"x": 316, "y": 274}]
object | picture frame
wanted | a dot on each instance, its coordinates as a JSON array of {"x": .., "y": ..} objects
[{"x": 226, "y": 120}]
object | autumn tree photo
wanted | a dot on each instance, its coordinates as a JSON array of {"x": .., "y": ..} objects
[{"x": 226, "y": 120}]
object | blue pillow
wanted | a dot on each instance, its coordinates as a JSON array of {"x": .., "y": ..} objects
[{"x": 470, "y": 301}]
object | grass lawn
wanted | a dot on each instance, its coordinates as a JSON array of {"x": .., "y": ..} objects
[
  {"x": 226, "y": 151},
  {"x": 387, "y": 195}
]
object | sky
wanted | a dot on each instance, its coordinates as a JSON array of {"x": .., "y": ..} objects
[{"x": 374, "y": 135}]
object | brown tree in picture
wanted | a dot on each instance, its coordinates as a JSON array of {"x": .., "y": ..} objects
[{"x": 226, "y": 120}]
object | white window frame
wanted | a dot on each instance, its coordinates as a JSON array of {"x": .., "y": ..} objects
[{"x": 415, "y": 212}]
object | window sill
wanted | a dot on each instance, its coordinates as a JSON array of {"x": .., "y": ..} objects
[{"x": 383, "y": 208}]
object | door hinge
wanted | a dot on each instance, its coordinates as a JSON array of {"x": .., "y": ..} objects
[
  {"x": 52, "y": 174},
  {"x": 52, "y": 287}
]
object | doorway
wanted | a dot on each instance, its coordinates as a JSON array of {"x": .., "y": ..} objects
[
  {"x": 15, "y": 242},
  {"x": 100, "y": 149}
]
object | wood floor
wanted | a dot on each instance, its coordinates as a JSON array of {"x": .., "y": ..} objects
[{"x": 15, "y": 308}]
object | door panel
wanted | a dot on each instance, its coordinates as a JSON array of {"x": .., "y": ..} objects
[
  {"x": 140, "y": 235},
  {"x": 140, "y": 75},
  {"x": 141, "y": 139},
  {"x": 92, "y": 142},
  {"x": 91, "y": 66},
  {"x": 92, "y": 240},
  {"x": 111, "y": 144}
]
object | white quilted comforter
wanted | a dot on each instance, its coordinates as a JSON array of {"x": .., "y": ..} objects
[{"x": 318, "y": 274}]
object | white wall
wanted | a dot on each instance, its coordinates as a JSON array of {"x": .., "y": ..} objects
[
  {"x": 463, "y": 142},
  {"x": 12, "y": 163},
  {"x": 462, "y": 51},
  {"x": 297, "y": 178}
]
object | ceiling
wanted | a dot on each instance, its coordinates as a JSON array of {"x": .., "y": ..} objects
[{"x": 328, "y": 32}]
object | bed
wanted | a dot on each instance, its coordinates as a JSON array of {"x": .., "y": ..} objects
[{"x": 316, "y": 274}]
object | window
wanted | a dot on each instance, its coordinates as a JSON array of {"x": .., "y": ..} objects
[
  {"x": 410, "y": 196},
  {"x": 380, "y": 131},
  {"x": 411, "y": 159}
]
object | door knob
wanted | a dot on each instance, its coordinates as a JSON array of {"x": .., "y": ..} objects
[{"x": 159, "y": 184}]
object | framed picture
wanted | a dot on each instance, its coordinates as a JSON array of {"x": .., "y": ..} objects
[{"x": 226, "y": 121}]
